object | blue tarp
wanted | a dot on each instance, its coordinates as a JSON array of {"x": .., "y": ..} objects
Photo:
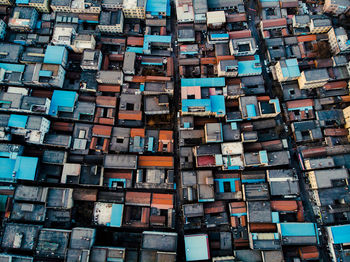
[
  {"x": 204, "y": 82},
  {"x": 20, "y": 168},
  {"x": 197, "y": 247},
  {"x": 117, "y": 215},
  {"x": 298, "y": 229},
  {"x": 341, "y": 234},
  {"x": 18, "y": 121},
  {"x": 62, "y": 100}
]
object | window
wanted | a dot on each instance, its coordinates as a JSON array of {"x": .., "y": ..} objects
[
  {"x": 120, "y": 140},
  {"x": 227, "y": 187},
  {"x": 129, "y": 106}
]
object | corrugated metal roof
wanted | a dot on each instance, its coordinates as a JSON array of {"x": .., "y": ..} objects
[
  {"x": 18, "y": 121},
  {"x": 20, "y": 168},
  {"x": 298, "y": 229},
  {"x": 55, "y": 54},
  {"x": 341, "y": 234},
  {"x": 197, "y": 247},
  {"x": 204, "y": 82},
  {"x": 156, "y": 161},
  {"x": 117, "y": 215}
]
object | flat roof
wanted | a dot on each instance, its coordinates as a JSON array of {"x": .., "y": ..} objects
[
  {"x": 197, "y": 247},
  {"x": 161, "y": 241},
  {"x": 298, "y": 229},
  {"x": 341, "y": 234},
  {"x": 204, "y": 82},
  {"x": 55, "y": 54},
  {"x": 62, "y": 99},
  {"x": 20, "y": 168}
]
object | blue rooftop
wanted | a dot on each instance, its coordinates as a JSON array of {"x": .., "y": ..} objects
[
  {"x": 186, "y": 103},
  {"x": 197, "y": 247},
  {"x": 341, "y": 234},
  {"x": 250, "y": 67},
  {"x": 18, "y": 121},
  {"x": 292, "y": 69},
  {"x": 62, "y": 101},
  {"x": 137, "y": 50},
  {"x": 148, "y": 39},
  {"x": 218, "y": 105},
  {"x": 298, "y": 229},
  {"x": 12, "y": 67},
  {"x": 117, "y": 215},
  {"x": 20, "y": 168},
  {"x": 55, "y": 55},
  {"x": 158, "y": 6},
  {"x": 204, "y": 82}
]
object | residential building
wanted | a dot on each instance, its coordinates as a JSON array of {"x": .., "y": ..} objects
[
  {"x": 313, "y": 78},
  {"x": 92, "y": 60},
  {"x": 23, "y": 19},
  {"x": 338, "y": 41},
  {"x": 111, "y": 22},
  {"x": 134, "y": 9},
  {"x": 287, "y": 70},
  {"x": 336, "y": 7}
]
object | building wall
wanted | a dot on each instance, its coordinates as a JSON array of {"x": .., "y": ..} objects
[{"x": 137, "y": 12}]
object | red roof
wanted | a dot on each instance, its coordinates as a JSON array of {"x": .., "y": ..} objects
[
  {"x": 336, "y": 85},
  {"x": 135, "y": 41},
  {"x": 240, "y": 34},
  {"x": 100, "y": 130},
  {"x": 236, "y": 18},
  {"x": 106, "y": 101},
  {"x": 156, "y": 161},
  {"x": 162, "y": 201},
  {"x": 138, "y": 198},
  {"x": 308, "y": 252},
  {"x": 336, "y": 132},
  {"x": 306, "y": 38},
  {"x": 130, "y": 115},
  {"x": 284, "y": 205},
  {"x": 300, "y": 103},
  {"x": 271, "y": 23}
]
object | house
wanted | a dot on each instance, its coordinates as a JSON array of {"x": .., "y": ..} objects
[
  {"x": 107, "y": 253},
  {"x": 338, "y": 41},
  {"x": 227, "y": 68},
  {"x": 336, "y": 7},
  {"x": 298, "y": 233},
  {"x": 62, "y": 102},
  {"x": 154, "y": 43},
  {"x": 111, "y": 22},
  {"x": 81, "y": 241},
  {"x": 63, "y": 34},
  {"x": 313, "y": 78},
  {"x": 57, "y": 55},
  {"x": 227, "y": 186},
  {"x": 23, "y": 19},
  {"x": 61, "y": 6},
  {"x": 185, "y": 11},
  {"x": 243, "y": 46},
  {"x": 59, "y": 198},
  {"x": 82, "y": 42},
  {"x": 319, "y": 178},
  {"x": 157, "y": 9},
  {"x": 306, "y": 131},
  {"x": 216, "y": 19},
  {"x": 320, "y": 25},
  {"x": 287, "y": 70},
  {"x": 10, "y": 53},
  {"x": 108, "y": 214},
  {"x": 129, "y": 63},
  {"x": 338, "y": 239},
  {"x": 92, "y": 60},
  {"x": 283, "y": 182},
  {"x": 52, "y": 243},
  {"x": 197, "y": 247},
  {"x": 162, "y": 245},
  {"x": 236, "y": 5},
  {"x": 134, "y": 9},
  {"x": 45, "y": 75},
  {"x": 31, "y": 128},
  {"x": 20, "y": 236},
  {"x": 249, "y": 67},
  {"x": 110, "y": 77}
]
